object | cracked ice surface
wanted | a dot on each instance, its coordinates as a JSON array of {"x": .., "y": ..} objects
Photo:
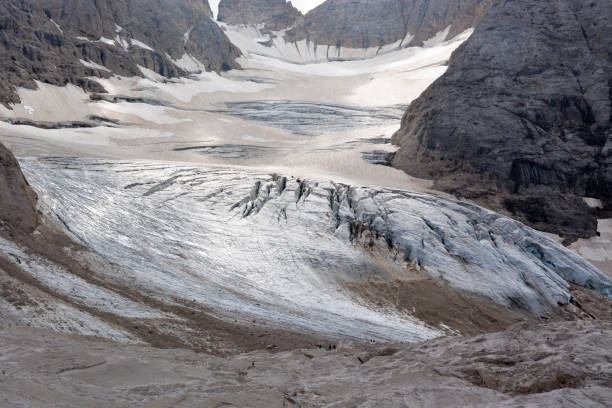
[{"x": 255, "y": 246}]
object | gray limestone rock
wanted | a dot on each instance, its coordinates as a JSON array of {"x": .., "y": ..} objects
[
  {"x": 274, "y": 14},
  {"x": 17, "y": 199},
  {"x": 44, "y": 40},
  {"x": 521, "y": 120}
]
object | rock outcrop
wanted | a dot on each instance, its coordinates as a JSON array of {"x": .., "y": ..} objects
[
  {"x": 276, "y": 15},
  {"x": 521, "y": 121},
  {"x": 553, "y": 365},
  {"x": 365, "y": 24},
  {"x": 68, "y": 41},
  {"x": 17, "y": 199}
]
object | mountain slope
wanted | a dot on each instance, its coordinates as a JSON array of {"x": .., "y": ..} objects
[
  {"x": 67, "y": 41},
  {"x": 536, "y": 365},
  {"x": 364, "y": 24},
  {"x": 17, "y": 199},
  {"x": 521, "y": 120},
  {"x": 274, "y": 14}
]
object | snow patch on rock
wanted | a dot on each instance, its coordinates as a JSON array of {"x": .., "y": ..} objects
[{"x": 93, "y": 65}]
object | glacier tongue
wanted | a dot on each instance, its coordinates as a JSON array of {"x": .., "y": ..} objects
[
  {"x": 472, "y": 249},
  {"x": 255, "y": 246}
]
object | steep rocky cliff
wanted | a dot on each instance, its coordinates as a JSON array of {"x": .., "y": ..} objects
[
  {"x": 521, "y": 120},
  {"x": 67, "y": 41},
  {"x": 17, "y": 199},
  {"x": 364, "y": 23},
  {"x": 274, "y": 14},
  {"x": 528, "y": 365}
]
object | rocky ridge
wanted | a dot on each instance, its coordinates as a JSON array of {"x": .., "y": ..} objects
[
  {"x": 521, "y": 121},
  {"x": 17, "y": 199},
  {"x": 365, "y": 24},
  {"x": 276, "y": 15},
  {"x": 553, "y": 365},
  {"x": 70, "y": 41}
]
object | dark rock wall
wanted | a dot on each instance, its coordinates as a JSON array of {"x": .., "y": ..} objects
[
  {"x": 274, "y": 14},
  {"x": 521, "y": 120},
  {"x": 33, "y": 48},
  {"x": 366, "y": 23},
  {"x": 17, "y": 199}
]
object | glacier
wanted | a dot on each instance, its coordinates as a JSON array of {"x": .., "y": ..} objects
[{"x": 251, "y": 245}]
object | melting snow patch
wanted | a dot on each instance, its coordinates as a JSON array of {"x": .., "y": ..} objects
[
  {"x": 251, "y": 40},
  {"x": 56, "y": 25},
  {"x": 106, "y": 41},
  {"x": 154, "y": 114},
  {"x": 187, "y": 35},
  {"x": 93, "y": 65},
  {"x": 122, "y": 42},
  {"x": 150, "y": 74},
  {"x": 253, "y": 138},
  {"x": 140, "y": 44},
  {"x": 188, "y": 63},
  {"x": 185, "y": 89},
  {"x": 437, "y": 39},
  {"x": 593, "y": 202}
]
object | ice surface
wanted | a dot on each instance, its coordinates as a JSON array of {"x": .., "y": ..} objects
[
  {"x": 249, "y": 245},
  {"x": 154, "y": 114},
  {"x": 122, "y": 42},
  {"x": 140, "y": 44},
  {"x": 597, "y": 250},
  {"x": 70, "y": 285},
  {"x": 437, "y": 39},
  {"x": 406, "y": 59},
  {"x": 188, "y": 63},
  {"x": 185, "y": 89},
  {"x": 60, "y": 316},
  {"x": 313, "y": 119},
  {"x": 251, "y": 39}
]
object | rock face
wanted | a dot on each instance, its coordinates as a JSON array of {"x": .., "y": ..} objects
[
  {"x": 17, "y": 200},
  {"x": 554, "y": 365},
  {"x": 48, "y": 40},
  {"x": 365, "y": 23},
  {"x": 274, "y": 14},
  {"x": 521, "y": 120}
]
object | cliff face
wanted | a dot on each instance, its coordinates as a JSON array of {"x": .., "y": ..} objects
[
  {"x": 521, "y": 120},
  {"x": 364, "y": 23},
  {"x": 274, "y": 14},
  {"x": 45, "y": 40},
  {"x": 17, "y": 199}
]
